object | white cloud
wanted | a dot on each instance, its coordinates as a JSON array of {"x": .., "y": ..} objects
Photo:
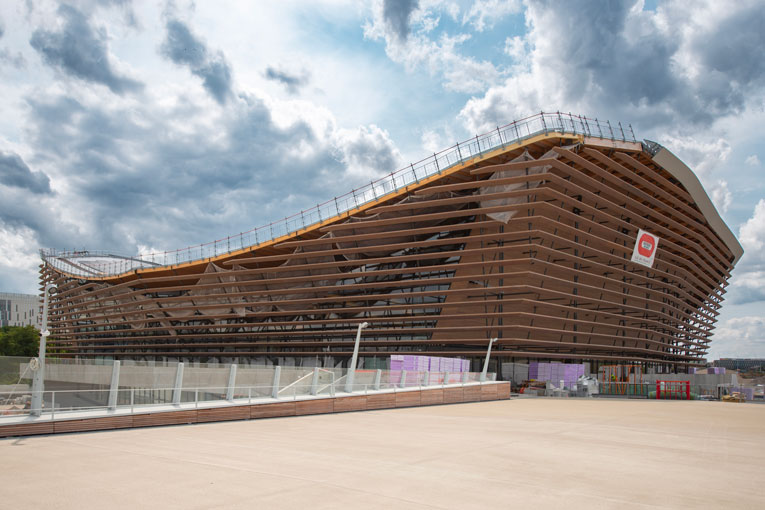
[
  {"x": 18, "y": 257},
  {"x": 705, "y": 153},
  {"x": 721, "y": 196},
  {"x": 432, "y": 141},
  {"x": 673, "y": 67},
  {"x": 412, "y": 46},
  {"x": 741, "y": 337},
  {"x": 483, "y": 14},
  {"x": 752, "y": 233},
  {"x": 171, "y": 164},
  {"x": 515, "y": 47},
  {"x": 367, "y": 151},
  {"x": 748, "y": 281},
  {"x": 752, "y": 160}
]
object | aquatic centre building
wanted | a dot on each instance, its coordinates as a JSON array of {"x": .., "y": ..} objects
[{"x": 563, "y": 237}]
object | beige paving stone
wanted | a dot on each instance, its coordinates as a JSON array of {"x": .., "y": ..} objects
[{"x": 525, "y": 453}]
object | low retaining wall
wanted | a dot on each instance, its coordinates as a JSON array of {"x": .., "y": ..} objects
[{"x": 412, "y": 398}]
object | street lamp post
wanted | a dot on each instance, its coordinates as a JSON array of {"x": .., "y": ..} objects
[
  {"x": 38, "y": 381},
  {"x": 486, "y": 363},
  {"x": 352, "y": 367}
]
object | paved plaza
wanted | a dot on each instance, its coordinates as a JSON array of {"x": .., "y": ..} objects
[{"x": 523, "y": 453}]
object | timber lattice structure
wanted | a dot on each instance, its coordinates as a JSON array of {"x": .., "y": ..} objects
[{"x": 526, "y": 238}]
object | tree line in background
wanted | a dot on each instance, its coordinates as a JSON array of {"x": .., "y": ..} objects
[{"x": 19, "y": 341}]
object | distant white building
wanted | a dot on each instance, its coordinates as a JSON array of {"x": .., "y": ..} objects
[{"x": 19, "y": 309}]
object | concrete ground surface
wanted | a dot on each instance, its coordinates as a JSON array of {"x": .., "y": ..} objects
[{"x": 523, "y": 453}]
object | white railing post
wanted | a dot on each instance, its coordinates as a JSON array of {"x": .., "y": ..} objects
[
  {"x": 231, "y": 382},
  {"x": 114, "y": 388},
  {"x": 465, "y": 376},
  {"x": 315, "y": 381},
  {"x": 426, "y": 378},
  {"x": 132, "y": 399},
  {"x": 446, "y": 378},
  {"x": 352, "y": 366},
  {"x": 52, "y": 405},
  {"x": 378, "y": 377},
  {"x": 275, "y": 384},
  {"x": 488, "y": 354},
  {"x": 178, "y": 384},
  {"x": 402, "y": 383},
  {"x": 38, "y": 379}
]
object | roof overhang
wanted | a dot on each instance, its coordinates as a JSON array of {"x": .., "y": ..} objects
[{"x": 688, "y": 179}]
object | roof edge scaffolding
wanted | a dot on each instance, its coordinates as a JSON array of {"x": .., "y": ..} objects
[{"x": 672, "y": 164}]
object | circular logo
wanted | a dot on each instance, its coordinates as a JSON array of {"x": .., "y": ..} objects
[{"x": 646, "y": 245}]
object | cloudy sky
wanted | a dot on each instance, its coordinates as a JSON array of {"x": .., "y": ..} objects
[{"x": 132, "y": 126}]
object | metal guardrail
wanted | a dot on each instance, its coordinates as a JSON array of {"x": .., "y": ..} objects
[
  {"x": 144, "y": 399},
  {"x": 104, "y": 264}
]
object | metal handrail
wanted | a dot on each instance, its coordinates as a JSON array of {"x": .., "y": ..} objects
[
  {"x": 515, "y": 132},
  {"x": 133, "y": 406}
]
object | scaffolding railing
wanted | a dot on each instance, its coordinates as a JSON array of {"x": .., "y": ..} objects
[{"x": 88, "y": 263}]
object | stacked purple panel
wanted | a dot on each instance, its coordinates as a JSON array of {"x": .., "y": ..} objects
[
  {"x": 416, "y": 363},
  {"x": 534, "y": 370},
  {"x": 556, "y": 372}
]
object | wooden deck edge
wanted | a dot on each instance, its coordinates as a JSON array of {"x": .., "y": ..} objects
[{"x": 424, "y": 397}]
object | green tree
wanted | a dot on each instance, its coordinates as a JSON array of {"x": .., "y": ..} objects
[{"x": 19, "y": 341}]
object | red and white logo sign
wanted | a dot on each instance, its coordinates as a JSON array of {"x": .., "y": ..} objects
[{"x": 645, "y": 248}]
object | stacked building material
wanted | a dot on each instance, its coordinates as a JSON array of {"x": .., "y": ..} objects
[
  {"x": 747, "y": 393},
  {"x": 416, "y": 363},
  {"x": 556, "y": 372}
]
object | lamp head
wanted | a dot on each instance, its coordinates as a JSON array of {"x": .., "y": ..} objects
[{"x": 364, "y": 325}]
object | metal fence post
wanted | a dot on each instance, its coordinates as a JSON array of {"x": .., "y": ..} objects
[
  {"x": 231, "y": 382},
  {"x": 378, "y": 377},
  {"x": 114, "y": 388},
  {"x": 52, "y": 405},
  {"x": 178, "y": 384},
  {"x": 402, "y": 383},
  {"x": 275, "y": 384},
  {"x": 426, "y": 378}
]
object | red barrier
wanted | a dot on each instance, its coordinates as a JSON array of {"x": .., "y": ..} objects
[{"x": 674, "y": 390}]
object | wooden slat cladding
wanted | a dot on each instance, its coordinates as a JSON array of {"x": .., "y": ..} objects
[
  {"x": 374, "y": 401},
  {"x": 532, "y": 246}
]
